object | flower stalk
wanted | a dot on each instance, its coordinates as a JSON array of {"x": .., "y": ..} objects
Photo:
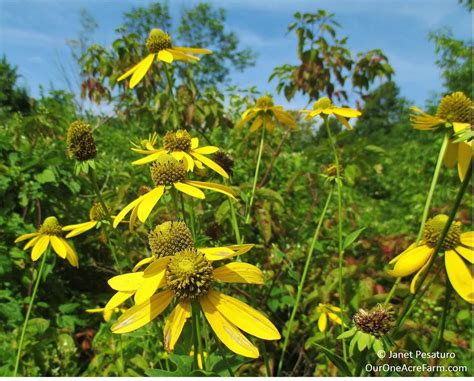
[{"x": 257, "y": 168}]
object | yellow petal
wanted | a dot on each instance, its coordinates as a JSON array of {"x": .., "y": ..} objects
[
  {"x": 129, "y": 72},
  {"x": 87, "y": 226},
  {"x": 157, "y": 267},
  {"x": 207, "y": 150},
  {"x": 257, "y": 123},
  {"x": 414, "y": 281},
  {"x": 239, "y": 272},
  {"x": 75, "y": 226},
  {"x": 333, "y": 308},
  {"x": 460, "y": 276},
  {"x": 118, "y": 298},
  {"x": 32, "y": 242},
  {"x": 149, "y": 201},
  {"x": 39, "y": 247},
  {"x": 141, "y": 70},
  {"x": 344, "y": 122},
  {"x": 71, "y": 255},
  {"x": 346, "y": 112},
  {"x": 189, "y": 161},
  {"x": 285, "y": 118},
  {"x": 336, "y": 319},
  {"x": 451, "y": 155},
  {"x": 192, "y": 50},
  {"x": 227, "y": 332},
  {"x": 217, "y": 253},
  {"x": 164, "y": 55},
  {"x": 464, "y": 158},
  {"x": 467, "y": 239},
  {"x": 144, "y": 262},
  {"x": 133, "y": 218},
  {"x": 58, "y": 246},
  {"x": 126, "y": 282},
  {"x": 411, "y": 261},
  {"x": 125, "y": 211},
  {"x": 322, "y": 322},
  {"x": 211, "y": 164},
  {"x": 149, "y": 287},
  {"x": 26, "y": 236},
  {"x": 149, "y": 158},
  {"x": 467, "y": 253},
  {"x": 189, "y": 190},
  {"x": 180, "y": 56},
  {"x": 246, "y": 117},
  {"x": 175, "y": 324},
  {"x": 243, "y": 316},
  {"x": 213, "y": 186},
  {"x": 141, "y": 314},
  {"x": 269, "y": 125},
  {"x": 457, "y": 127},
  {"x": 194, "y": 143}
]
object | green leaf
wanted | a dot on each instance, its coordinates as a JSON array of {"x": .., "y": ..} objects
[
  {"x": 47, "y": 176},
  {"x": 337, "y": 360},
  {"x": 377, "y": 345},
  {"x": 347, "y": 334},
  {"x": 352, "y": 237},
  {"x": 363, "y": 342},
  {"x": 183, "y": 365}
]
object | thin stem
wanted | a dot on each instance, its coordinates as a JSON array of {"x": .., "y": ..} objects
[
  {"x": 438, "y": 339},
  {"x": 303, "y": 278},
  {"x": 171, "y": 94},
  {"x": 28, "y": 312},
  {"x": 235, "y": 225},
  {"x": 175, "y": 203},
  {"x": 93, "y": 179},
  {"x": 191, "y": 215},
  {"x": 183, "y": 212},
  {"x": 257, "y": 168},
  {"x": 197, "y": 336},
  {"x": 224, "y": 356},
  {"x": 268, "y": 371},
  {"x": 452, "y": 214},
  {"x": 339, "y": 228},
  {"x": 427, "y": 207}
]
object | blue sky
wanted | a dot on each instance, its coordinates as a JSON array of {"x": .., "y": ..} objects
[{"x": 33, "y": 34}]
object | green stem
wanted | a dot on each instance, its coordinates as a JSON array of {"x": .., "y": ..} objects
[
  {"x": 197, "y": 336},
  {"x": 438, "y": 339},
  {"x": 235, "y": 225},
  {"x": 93, "y": 179},
  {"x": 171, "y": 94},
  {"x": 183, "y": 212},
  {"x": 257, "y": 168},
  {"x": 339, "y": 228},
  {"x": 28, "y": 312},
  {"x": 224, "y": 356},
  {"x": 452, "y": 214},
  {"x": 303, "y": 278},
  {"x": 427, "y": 207},
  {"x": 175, "y": 203},
  {"x": 192, "y": 217},
  {"x": 268, "y": 371}
]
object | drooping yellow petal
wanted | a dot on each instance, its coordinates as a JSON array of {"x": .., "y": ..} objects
[
  {"x": 213, "y": 186},
  {"x": 175, "y": 324},
  {"x": 164, "y": 55},
  {"x": 149, "y": 287},
  {"x": 269, "y": 125},
  {"x": 239, "y": 272},
  {"x": 141, "y": 314},
  {"x": 322, "y": 322},
  {"x": 467, "y": 239},
  {"x": 58, "y": 246},
  {"x": 76, "y": 226},
  {"x": 411, "y": 261},
  {"x": 126, "y": 282},
  {"x": 189, "y": 161},
  {"x": 141, "y": 70},
  {"x": 246, "y": 117},
  {"x": 71, "y": 255},
  {"x": 125, "y": 211},
  {"x": 344, "y": 122},
  {"x": 118, "y": 298},
  {"x": 39, "y": 247},
  {"x": 414, "y": 281},
  {"x": 243, "y": 316},
  {"x": 217, "y": 253},
  {"x": 192, "y": 50},
  {"x": 285, "y": 118},
  {"x": 211, "y": 164},
  {"x": 133, "y": 218},
  {"x": 464, "y": 158},
  {"x": 257, "y": 123},
  {"x": 346, "y": 112},
  {"x": 207, "y": 150},
  {"x": 180, "y": 56},
  {"x": 227, "y": 332},
  {"x": 336, "y": 319},
  {"x": 26, "y": 236},
  {"x": 129, "y": 72},
  {"x": 194, "y": 143},
  {"x": 333, "y": 308},
  {"x": 451, "y": 154},
  {"x": 156, "y": 267},
  {"x": 466, "y": 253},
  {"x": 32, "y": 242},
  {"x": 144, "y": 261},
  {"x": 149, "y": 158},
  {"x": 85, "y": 227},
  {"x": 460, "y": 275},
  {"x": 189, "y": 190},
  {"x": 149, "y": 201}
]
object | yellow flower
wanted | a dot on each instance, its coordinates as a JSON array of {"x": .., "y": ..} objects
[
  {"x": 325, "y": 107},
  {"x": 96, "y": 215},
  {"x": 189, "y": 276},
  {"x": 168, "y": 172},
  {"x": 159, "y": 45},
  {"x": 181, "y": 146},
  {"x": 458, "y": 248},
  {"x": 327, "y": 311},
  {"x": 266, "y": 113},
  {"x": 454, "y": 111},
  {"x": 49, "y": 233},
  {"x": 106, "y": 314}
]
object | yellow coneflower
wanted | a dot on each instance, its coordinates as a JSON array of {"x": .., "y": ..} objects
[
  {"x": 188, "y": 276},
  {"x": 159, "y": 45},
  {"x": 458, "y": 248},
  {"x": 265, "y": 113},
  {"x": 326, "y": 311},
  {"x": 49, "y": 233},
  {"x": 324, "y": 106},
  {"x": 454, "y": 111},
  {"x": 96, "y": 215},
  {"x": 182, "y": 146},
  {"x": 168, "y": 172}
]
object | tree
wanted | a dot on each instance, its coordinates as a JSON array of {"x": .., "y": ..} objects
[{"x": 12, "y": 97}]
